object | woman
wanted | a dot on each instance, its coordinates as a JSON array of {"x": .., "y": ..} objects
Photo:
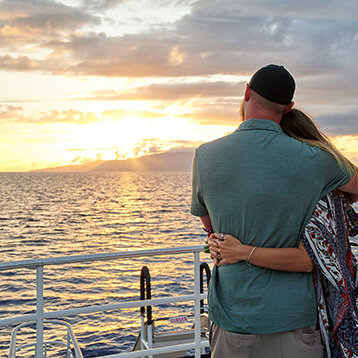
[{"x": 324, "y": 248}]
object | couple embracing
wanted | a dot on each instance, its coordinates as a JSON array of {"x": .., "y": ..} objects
[{"x": 276, "y": 194}]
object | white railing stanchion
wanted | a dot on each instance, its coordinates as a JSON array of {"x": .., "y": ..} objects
[
  {"x": 150, "y": 338},
  {"x": 197, "y": 332},
  {"x": 68, "y": 350},
  {"x": 142, "y": 332},
  {"x": 39, "y": 311}
]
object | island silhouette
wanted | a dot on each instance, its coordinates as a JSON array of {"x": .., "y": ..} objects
[{"x": 168, "y": 161}]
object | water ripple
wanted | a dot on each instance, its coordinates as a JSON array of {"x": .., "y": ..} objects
[{"x": 59, "y": 214}]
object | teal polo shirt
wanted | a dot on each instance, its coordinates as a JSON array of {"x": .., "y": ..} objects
[{"x": 261, "y": 186}]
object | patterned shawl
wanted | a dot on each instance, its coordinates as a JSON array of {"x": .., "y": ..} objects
[{"x": 326, "y": 239}]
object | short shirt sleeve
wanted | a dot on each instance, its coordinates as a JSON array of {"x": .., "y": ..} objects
[
  {"x": 197, "y": 207},
  {"x": 335, "y": 175}
]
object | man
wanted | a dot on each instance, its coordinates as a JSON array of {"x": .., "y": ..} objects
[{"x": 261, "y": 186}]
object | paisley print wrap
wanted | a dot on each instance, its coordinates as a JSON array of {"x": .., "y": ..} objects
[{"x": 326, "y": 239}]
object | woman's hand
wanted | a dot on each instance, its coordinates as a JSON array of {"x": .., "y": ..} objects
[{"x": 226, "y": 249}]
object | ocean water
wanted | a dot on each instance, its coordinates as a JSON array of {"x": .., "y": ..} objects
[{"x": 60, "y": 214}]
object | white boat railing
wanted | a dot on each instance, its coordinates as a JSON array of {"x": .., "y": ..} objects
[{"x": 40, "y": 317}]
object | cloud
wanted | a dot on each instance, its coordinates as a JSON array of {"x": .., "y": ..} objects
[
  {"x": 142, "y": 147},
  {"x": 70, "y": 116},
  {"x": 339, "y": 123},
  {"x": 81, "y": 160},
  {"x": 287, "y": 8},
  {"x": 12, "y": 114},
  {"x": 156, "y": 146},
  {"x": 44, "y": 15},
  {"x": 316, "y": 41},
  {"x": 214, "y": 117},
  {"x": 172, "y": 91},
  {"x": 21, "y": 63},
  {"x": 9, "y": 112},
  {"x": 119, "y": 114},
  {"x": 35, "y": 165},
  {"x": 226, "y": 37},
  {"x": 86, "y": 149},
  {"x": 76, "y": 160},
  {"x": 101, "y": 4}
]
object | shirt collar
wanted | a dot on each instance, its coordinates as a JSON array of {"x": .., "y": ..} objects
[{"x": 263, "y": 124}]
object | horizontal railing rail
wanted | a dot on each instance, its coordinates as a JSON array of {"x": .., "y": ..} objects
[
  {"x": 62, "y": 260},
  {"x": 102, "y": 308},
  {"x": 40, "y": 316}
]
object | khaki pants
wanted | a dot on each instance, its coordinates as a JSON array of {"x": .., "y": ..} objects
[{"x": 301, "y": 343}]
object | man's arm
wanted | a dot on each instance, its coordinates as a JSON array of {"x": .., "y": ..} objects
[
  {"x": 205, "y": 220},
  {"x": 351, "y": 189}
]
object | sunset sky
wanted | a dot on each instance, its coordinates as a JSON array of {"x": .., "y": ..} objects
[{"x": 83, "y": 80}]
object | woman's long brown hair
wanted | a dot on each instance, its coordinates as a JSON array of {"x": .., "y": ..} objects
[{"x": 301, "y": 126}]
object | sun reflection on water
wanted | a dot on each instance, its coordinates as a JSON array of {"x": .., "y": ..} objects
[{"x": 60, "y": 214}]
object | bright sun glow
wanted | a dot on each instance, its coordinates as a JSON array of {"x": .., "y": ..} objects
[{"x": 121, "y": 79}]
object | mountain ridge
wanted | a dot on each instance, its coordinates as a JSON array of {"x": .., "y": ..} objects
[{"x": 168, "y": 161}]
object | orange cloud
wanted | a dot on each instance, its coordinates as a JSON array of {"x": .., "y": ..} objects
[
  {"x": 21, "y": 63},
  {"x": 71, "y": 116},
  {"x": 11, "y": 114},
  {"x": 215, "y": 117},
  {"x": 171, "y": 91},
  {"x": 120, "y": 114},
  {"x": 50, "y": 37},
  {"x": 82, "y": 160}
]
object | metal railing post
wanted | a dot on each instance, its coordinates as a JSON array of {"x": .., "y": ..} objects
[
  {"x": 68, "y": 348},
  {"x": 39, "y": 311},
  {"x": 197, "y": 329},
  {"x": 150, "y": 338},
  {"x": 142, "y": 333}
]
